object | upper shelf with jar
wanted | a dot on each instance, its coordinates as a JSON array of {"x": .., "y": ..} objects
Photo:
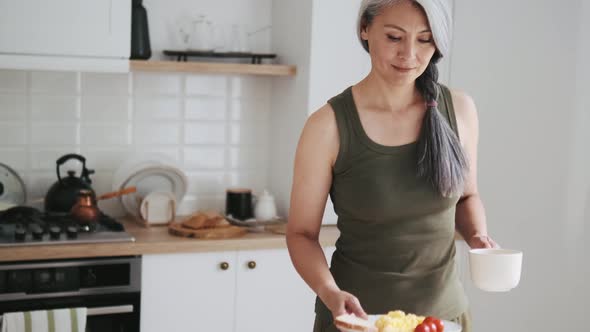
[{"x": 130, "y": 35}]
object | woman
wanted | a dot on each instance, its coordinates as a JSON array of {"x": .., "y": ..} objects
[{"x": 397, "y": 153}]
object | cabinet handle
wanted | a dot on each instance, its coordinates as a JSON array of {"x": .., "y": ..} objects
[
  {"x": 224, "y": 265},
  {"x": 251, "y": 265}
]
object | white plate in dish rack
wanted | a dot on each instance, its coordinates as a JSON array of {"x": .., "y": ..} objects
[
  {"x": 449, "y": 326},
  {"x": 152, "y": 179}
]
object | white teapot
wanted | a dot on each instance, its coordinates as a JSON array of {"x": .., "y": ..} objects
[{"x": 265, "y": 207}]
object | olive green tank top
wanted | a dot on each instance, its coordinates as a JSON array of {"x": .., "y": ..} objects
[{"x": 396, "y": 247}]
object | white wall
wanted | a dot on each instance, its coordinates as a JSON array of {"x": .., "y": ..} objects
[
  {"x": 517, "y": 59},
  {"x": 578, "y": 198},
  {"x": 291, "y": 39}
]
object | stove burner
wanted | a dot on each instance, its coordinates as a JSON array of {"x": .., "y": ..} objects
[{"x": 28, "y": 226}]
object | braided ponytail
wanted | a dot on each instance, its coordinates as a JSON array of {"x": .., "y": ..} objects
[{"x": 441, "y": 159}]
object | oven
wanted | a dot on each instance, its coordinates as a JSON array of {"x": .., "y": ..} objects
[{"x": 109, "y": 287}]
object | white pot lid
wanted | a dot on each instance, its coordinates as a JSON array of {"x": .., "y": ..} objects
[{"x": 12, "y": 187}]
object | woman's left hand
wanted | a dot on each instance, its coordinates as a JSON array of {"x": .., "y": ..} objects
[{"x": 481, "y": 241}]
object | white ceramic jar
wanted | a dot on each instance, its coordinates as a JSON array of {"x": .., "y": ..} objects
[{"x": 265, "y": 207}]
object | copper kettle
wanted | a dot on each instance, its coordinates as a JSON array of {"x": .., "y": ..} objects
[{"x": 86, "y": 211}]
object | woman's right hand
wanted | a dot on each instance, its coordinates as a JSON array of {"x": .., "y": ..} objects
[{"x": 340, "y": 302}]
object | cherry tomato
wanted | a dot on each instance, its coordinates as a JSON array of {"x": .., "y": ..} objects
[
  {"x": 423, "y": 328},
  {"x": 431, "y": 325},
  {"x": 438, "y": 324}
]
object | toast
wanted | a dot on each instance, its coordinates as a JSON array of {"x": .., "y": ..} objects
[
  {"x": 350, "y": 322},
  {"x": 201, "y": 220}
]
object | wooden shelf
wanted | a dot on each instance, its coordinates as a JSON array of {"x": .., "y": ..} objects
[{"x": 212, "y": 67}]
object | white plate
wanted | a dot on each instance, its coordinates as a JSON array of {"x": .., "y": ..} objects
[
  {"x": 151, "y": 179},
  {"x": 449, "y": 326}
]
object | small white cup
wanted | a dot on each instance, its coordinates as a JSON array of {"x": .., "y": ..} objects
[{"x": 495, "y": 270}]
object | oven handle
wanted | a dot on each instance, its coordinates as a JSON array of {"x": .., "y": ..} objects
[
  {"x": 120, "y": 309},
  {"x": 99, "y": 311}
]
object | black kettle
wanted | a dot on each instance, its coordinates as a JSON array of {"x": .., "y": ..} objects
[{"x": 62, "y": 195}]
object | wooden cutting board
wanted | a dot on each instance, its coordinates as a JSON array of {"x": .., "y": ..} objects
[{"x": 220, "y": 232}]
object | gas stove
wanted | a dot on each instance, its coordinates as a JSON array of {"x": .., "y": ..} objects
[{"x": 24, "y": 226}]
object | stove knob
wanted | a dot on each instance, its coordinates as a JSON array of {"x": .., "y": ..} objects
[
  {"x": 72, "y": 232},
  {"x": 38, "y": 232},
  {"x": 20, "y": 233},
  {"x": 54, "y": 232}
]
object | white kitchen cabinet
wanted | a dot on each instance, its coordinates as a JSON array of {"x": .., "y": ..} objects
[
  {"x": 35, "y": 34},
  {"x": 188, "y": 292},
  {"x": 258, "y": 291},
  {"x": 269, "y": 290}
]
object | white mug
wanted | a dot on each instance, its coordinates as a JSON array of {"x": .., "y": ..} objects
[{"x": 495, "y": 270}]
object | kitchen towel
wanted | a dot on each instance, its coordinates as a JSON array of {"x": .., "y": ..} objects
[{"x": 56, "y": 320}]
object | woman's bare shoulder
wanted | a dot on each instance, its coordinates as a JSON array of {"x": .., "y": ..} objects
[
  {"x": 321, "y": 131},
  {"x": 466, "y": 114}
]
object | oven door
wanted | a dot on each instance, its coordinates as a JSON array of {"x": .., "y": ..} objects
[{"x": 106, "y": 313}]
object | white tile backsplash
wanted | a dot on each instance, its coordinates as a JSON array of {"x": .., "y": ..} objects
[
  {"x": 38, "y": 183},
  {"x": 205, "y": 133},
  {"x": 105, "y": 109},
  {"x": 204, "y": 158},
  {"x": 192, "y": 203},
  {"x": 205, "y": 108},
  {"x": 157, "y": 108},
  {"x": 13, "y": 107},
  {"x": 15, "y": 158},
  {"x": 13, "y": 80},
  {"x": 104, "y": 158},
  {"x": 104, "y": 135},
  {"x": 207, "y": 85},
  {"x": 103, "y": 84},
  {"x": 156, "y": 134},
  {"x": 13, "y": 134},
  {"x": 54, "y": 134},
  {"x": 54, "y": 109},
  {"x": 173, "y": 153},
  {"x": 214, "y": 126},
  {"x": 48, "y": 82},
  {"x": 45, "y": 158},
  {"x": 206, "y": 183},
  {"x": 156, "y": 83}
]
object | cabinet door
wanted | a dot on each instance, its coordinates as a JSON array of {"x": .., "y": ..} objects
[
  {"x": 98, "y": 28},
  {"x": 188, "y": 292},
  {"x": 271, "y": 296}
]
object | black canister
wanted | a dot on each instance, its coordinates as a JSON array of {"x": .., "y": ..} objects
[{"x": 140, "y": 36}]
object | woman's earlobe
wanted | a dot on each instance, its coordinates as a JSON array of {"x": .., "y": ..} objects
[{"x": 364, "y": 34}]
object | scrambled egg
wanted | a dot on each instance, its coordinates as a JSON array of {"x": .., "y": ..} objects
[{"x": 398, "y": 321}]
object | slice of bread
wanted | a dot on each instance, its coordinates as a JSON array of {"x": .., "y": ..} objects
[
  {"x": 351, "y": 322},
  {"x": 196, "y": 221}
]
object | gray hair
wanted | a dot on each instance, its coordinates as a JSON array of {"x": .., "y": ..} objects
[
  {"x": 438, "y": 13},
  {"x": 440, "y": 159}
]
